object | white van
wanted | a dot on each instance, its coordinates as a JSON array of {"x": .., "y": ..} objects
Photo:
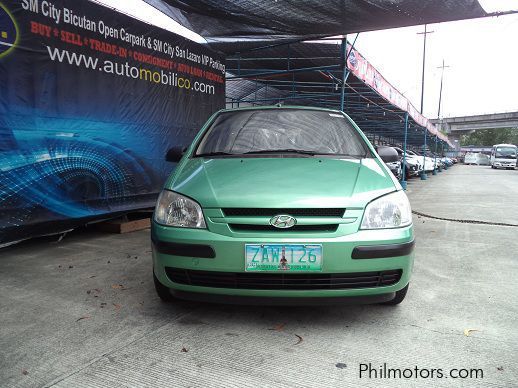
[
  {"x": 479, "y": 159},
  {"x": 503, "y": 155}
]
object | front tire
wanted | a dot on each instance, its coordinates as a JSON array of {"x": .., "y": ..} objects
[
  {"x": 400, "y": 296},
  {"x": 161, "y": 290}
]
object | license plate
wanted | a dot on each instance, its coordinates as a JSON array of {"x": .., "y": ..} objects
[{"x": 283, "y": 257}]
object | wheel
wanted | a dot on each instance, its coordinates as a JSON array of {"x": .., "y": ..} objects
[
  {"x": 161, "y": 290},
  {"x": 400, "y": 296},
  {"x": 493, "y": 167}
]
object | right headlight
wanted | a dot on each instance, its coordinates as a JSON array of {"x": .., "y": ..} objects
[
  {"x": 390, "y": 211},
  {"x": 173, "y": 209}
]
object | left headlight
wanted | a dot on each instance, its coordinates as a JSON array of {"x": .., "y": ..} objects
[
  {"x": 390, "y": 211},
  {"x": 173, "y": 209}
]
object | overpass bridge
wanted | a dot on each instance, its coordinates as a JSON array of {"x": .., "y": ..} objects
[
  {"x": 463, "y": 124},
  {"x": 457, "y": 126}
]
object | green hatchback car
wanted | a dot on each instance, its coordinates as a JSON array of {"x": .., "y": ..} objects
[{"x": 282, "y": 205}]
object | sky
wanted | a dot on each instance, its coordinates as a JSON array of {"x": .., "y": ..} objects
[{"x": 482, "y": 55}]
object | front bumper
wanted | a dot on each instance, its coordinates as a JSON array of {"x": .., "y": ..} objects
[
  {"x": 413, "y": 170},
  {"x": 505, "y": 164},
  {"x": 280, "y": 300},
  {"x": 221, "y": 253}
]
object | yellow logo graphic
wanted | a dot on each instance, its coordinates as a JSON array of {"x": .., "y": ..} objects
[{"x": 8, "y": 31}]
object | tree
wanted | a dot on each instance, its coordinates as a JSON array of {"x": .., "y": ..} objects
[{"x": 488, "y": 137}]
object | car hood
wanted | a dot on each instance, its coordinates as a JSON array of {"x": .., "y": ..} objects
[{"x": 281, "y": 182}]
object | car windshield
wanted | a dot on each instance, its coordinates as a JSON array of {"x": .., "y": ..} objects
[
  {"x": 297, "y": 131},
  {"x": 506, "y": 152}
]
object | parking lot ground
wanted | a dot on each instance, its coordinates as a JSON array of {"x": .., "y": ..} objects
[{"x": 83, "y": 312}]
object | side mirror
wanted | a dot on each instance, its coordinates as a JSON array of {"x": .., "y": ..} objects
[
  {"x": 175, "y": 154},
  {"x": 387, "y": 154}
]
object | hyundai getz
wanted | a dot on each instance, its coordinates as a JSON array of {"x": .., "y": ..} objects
[{"x": 282, "y": 205}]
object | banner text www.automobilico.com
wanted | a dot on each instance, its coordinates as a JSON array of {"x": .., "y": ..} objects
[
  {"x": 138, "y": 57},
  {"x": 125, "y": 69}
]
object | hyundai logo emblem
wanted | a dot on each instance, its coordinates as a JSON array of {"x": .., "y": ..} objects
[{"x": 283, "y": 221}]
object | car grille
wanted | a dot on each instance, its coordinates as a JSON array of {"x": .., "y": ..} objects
[
  {"x": 270, "y": 212},
  {"x": 283, "y": 281},
  {"x": 331, "y": 228}
]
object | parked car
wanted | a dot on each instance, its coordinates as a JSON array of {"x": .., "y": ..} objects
[
  {"x": 476, "y": 158},
  {"x": 470, "y": 158},
  {"x": 395, "y": 168},
  {"x": 417, "y": 158},
  {"x": 447, "y": 161},
  {"x": 282, "y": 205},
  {"x": 428, "y": 162},
  {"x": 412, "y": 165},
  {"x": 433, "y": 162},
  {"x": 439, "y": 161}
]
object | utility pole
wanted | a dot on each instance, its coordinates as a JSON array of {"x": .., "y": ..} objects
[
  {"x": 439, "y": 107},
  {"x": 439, "y": 113},
  {"x": 423, "y": 173},
  {"x": 440, "y": 90},
  {"x": 424, "y": 62}
]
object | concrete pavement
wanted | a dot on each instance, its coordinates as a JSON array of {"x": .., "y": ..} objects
[{"x": 83, "y": 312}]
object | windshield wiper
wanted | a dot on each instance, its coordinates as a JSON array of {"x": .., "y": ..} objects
[
  {"x": 283, "y": 151},
  {"x": 279, "y": 151},
  {"x": 216, "y": 153},
  {"x": 222, "y": 153},
  {"x": 304, "y": 152}
]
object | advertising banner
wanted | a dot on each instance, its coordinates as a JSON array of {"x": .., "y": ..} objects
[
  {"x": 364, "y": 71},
  {"x": 90, "y": 101}
]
